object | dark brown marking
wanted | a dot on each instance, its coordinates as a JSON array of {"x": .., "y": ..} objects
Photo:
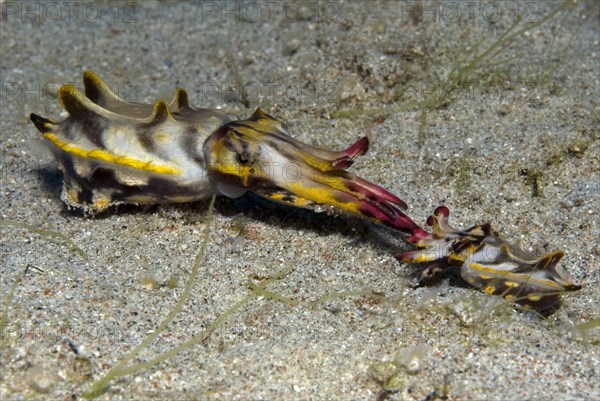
[
  {"x": 93, "y": 126},
  {"x": 191, "y": 145},
  {"x": 146, "y": 139},
  {"x": 40, "y": 122}
]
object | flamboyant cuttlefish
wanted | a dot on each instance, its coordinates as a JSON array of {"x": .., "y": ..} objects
[
  {"x": 112, "y": 151},
  {"x": 490, "y": 262}
]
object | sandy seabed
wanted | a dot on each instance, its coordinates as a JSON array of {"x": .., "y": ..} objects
[{"x": 515, "y": 143}]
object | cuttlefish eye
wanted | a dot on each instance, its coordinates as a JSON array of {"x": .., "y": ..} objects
[{"x": 246, "y": 157}]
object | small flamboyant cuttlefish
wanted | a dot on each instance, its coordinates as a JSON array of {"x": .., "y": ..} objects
[
  {"x": 489, "y": 262},
  {"x": 112, "y": 151}
]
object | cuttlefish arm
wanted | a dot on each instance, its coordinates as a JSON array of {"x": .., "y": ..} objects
[
  {"x": 114, "y": 151},
  {"x": 259, "y": 155}
]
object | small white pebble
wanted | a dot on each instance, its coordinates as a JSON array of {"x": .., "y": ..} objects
[
  {"x": 40, "y": 379},
  {"x": 412, "y": 358}
]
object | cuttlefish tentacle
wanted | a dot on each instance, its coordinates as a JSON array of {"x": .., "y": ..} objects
[{"x": 114, "y": 151}]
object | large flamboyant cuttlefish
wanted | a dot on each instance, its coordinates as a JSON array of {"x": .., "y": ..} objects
[{"x": 113, "y": 151}]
